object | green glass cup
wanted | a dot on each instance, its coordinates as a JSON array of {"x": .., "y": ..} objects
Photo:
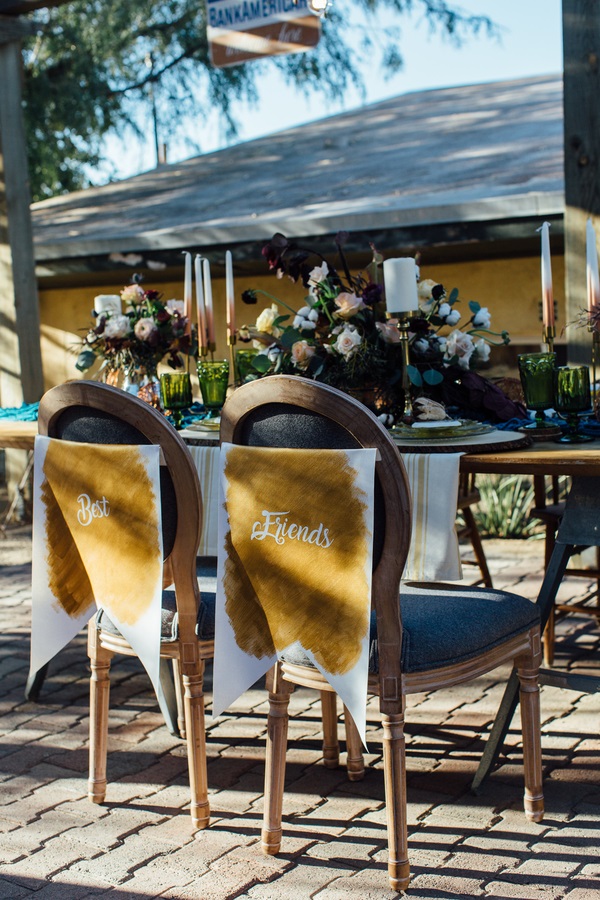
[
  {"x": 243, "y": 364},
  {"x": 213, "y": 376},
  {"x": 572, "y": 396},
  {"x": 176, "y": 394},
  {"x": 537, "y": 380}
]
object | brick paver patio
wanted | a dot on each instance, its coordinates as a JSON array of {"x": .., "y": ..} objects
[{"x": 55, "y": 844}]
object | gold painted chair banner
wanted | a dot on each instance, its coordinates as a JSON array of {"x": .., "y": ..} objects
[
  {"x": 295, "y": 556},
  {"x": 97, "y": 543}
]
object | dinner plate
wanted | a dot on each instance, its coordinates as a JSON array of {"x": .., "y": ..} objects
[
  {"x": 205, "y": 425},
  {"x": 421, "y": 433}
]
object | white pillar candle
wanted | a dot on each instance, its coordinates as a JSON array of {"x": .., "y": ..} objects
[
  {"x": 208, "y": 304},
  {"x": 591, "y": 255},
  {"x": 108, "y": 303},
  {"x": 547, "y": 293},
  {"x": 229, "y": 295},
  {"x": 200, "y": 310},
  {"x": 187, "y": 291},
  {"x": 400, "y": 280}
]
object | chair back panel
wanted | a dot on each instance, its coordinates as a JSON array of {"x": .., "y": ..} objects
[
  {"x": 85, "y": 411},
  {"x": 289, "y": 411},
  {"x": 94, "y": 426},
  {"x": 286, "y": 425}
]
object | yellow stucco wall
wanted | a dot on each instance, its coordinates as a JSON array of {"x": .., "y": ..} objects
[{"x": 509, "y": 287}]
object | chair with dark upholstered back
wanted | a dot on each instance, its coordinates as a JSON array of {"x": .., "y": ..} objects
[
  {"x": 432, "y": 638},
  {"x": 84, "y": 411}
]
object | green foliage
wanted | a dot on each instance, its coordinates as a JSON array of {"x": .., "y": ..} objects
[
  {"x": 95, "y": 63},
  {"x": 504, "y": 508}
]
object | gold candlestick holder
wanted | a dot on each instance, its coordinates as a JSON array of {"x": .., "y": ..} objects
[
  {"x": 548, "y": 335},
  {"x": 403, "y": 326}
]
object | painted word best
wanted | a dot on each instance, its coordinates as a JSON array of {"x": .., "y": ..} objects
[
  {"x": 279, "y": 528},
  {"x": 88, "y": 510}
]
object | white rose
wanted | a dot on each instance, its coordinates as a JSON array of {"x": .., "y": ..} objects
[
  {"x": 175, "y": 306},
  {"x": 318, "y": 274},
  {"x": 482, "y": 318},
  {"x": 144, "y": 329},
  {"x": 425, "y": 288},
  {"x": 461, "y": 345},
  {"x": 117, "y": 327},
  {"x": 265, "y": 320},
  {"x": 348, "y": 342}
]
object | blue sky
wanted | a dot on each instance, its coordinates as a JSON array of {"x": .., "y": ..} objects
[{"x": 531, "y": 44}]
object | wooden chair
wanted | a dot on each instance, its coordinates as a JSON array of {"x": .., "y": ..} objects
[
  {"x": 549, "y": 509},
  {"x": 433, "y": 638},
  {"x": 96, "y": 413},
  {"x": 469, "y": 496}
]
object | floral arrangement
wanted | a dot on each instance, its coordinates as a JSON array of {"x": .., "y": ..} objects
[
  {"x": 341, "y": 335},
  {"x": 433, "y": 348},
  {"x": 136, "y": 339}
]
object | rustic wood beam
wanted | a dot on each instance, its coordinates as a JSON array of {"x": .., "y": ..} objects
[
  {"x": 21, "y": 363},
  {"x": 581, "y": 41}
]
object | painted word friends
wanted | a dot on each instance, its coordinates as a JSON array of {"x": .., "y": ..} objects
[
  {"x": 278, "y": 527},
  {"x": 89, "y": 510}
]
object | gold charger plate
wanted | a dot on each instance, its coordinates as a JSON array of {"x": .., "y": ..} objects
[{"x": 440, "y": 434}]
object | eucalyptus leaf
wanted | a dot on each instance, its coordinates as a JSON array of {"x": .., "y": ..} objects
[
  {"x": 414, "y": 376},
  {"x": 432, "y": 376},
  {"x": 261, "y": 363},
  {"x": 474, "y": 306},
  {"x": 85, "y": 359},
  {"x": 453, "y": 297}
]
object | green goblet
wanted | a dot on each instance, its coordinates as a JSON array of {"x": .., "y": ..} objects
[
  {"x": 537, "y": 379},
  {"x": 243, "y": 364},
  {"x": 176, "y": 394},
  {"x": 213, "y": 376},
  {"x": 572, "y": 396}
]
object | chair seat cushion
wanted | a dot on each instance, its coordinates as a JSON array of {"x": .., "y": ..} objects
[
  {"x": 447, "y": 624},
  {"x": 205, "y": 623}
]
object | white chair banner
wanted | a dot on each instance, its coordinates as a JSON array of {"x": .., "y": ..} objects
[
  {"x": 97, "y": 543},
  {"x": 294, "y": 567}
]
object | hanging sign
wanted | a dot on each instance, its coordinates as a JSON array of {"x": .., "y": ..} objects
[{"x": 240, "y": 30}]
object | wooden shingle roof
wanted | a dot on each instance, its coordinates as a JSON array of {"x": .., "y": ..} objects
[{"x": 488, "y": 152}]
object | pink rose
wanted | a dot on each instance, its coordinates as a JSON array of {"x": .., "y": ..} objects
[
  {"x": 301, "y": 353},
  {"x": 348, "y": 305}
]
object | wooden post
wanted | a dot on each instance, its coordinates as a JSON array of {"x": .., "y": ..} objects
[
  {"x": 581, "y": 41},
  {"x": 21, "y": 378}
]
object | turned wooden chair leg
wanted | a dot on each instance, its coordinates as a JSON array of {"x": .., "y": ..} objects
[
  {"x": 331, "y": 745},
  {"x": 277, "y": 730},
  {"x": 394, "y": 761},
  {"x": 100, "y": 659},
  {"x": 178, "y": 682},
  {"x": 355, "y": 762},
  {"x": 195, "y": 730},
  {"x": 529, "y": 692}
]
